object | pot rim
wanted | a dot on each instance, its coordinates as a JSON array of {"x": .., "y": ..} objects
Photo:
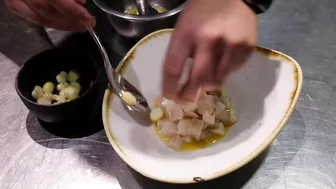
[{"x": 103, "y": 6}]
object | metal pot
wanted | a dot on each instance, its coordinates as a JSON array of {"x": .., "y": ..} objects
[{"x": 137, "y": 26}]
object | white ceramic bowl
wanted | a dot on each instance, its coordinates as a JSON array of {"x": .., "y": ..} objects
[{"x": 264, "y": 93}]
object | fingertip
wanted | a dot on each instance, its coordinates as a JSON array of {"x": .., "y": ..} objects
[
  {"x": 166, "y": 92},
  {"x": 180, "y": 100},
  {"x": 236, "y": 68},
  {"x": 170, "y": 96},
  {"x": 90, "y": 22},
  {"x": 81, "y": 29},
  {"x": 93, "y": 22},
  {"x": 189, "y": 93},
  {"x": 73, "y": 10},
  {"x": 199, "y": 95},
  {"x": 211, "y": 87},
  {"x": 87, "y": 20}
]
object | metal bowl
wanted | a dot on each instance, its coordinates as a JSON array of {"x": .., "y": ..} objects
[{"x": 137, "y": 26}]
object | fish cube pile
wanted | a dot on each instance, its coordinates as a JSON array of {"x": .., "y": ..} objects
[{"x": 193, "y": 121}]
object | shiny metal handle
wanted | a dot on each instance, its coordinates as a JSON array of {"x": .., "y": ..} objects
[
  {"x": 141, "y": 5},
  {"x": 97, "y": 40},
  {"x": 117, "y": 82},
  {"x": 110, "y": 72}
]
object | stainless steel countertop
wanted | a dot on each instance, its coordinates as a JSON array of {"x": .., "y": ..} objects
[{"x": 303, "y": 156}]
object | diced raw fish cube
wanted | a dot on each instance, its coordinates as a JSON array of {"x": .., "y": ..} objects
[
  {"x": 196, "y": 128},
  {"x": 183, "y": 126},
  {"x": 176, "y": 143},
  {"x": 205, "y": 134},
  {"x": 220, "y": 130},
  {"x": 175, "y": 112},
  {"x": 189, "y": 106},
  {"x": 220, "y": 107},
  {"x": 232, "y": 117},
  {"x": 167, "y": 103},
  {"x": 209, "y": 118},
  {"x": 190, "y": 115},
  {"x": 187, "y": 139},
  {"x": 168, "y": 129}
]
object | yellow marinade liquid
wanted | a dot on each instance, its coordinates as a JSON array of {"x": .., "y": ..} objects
[
  {"x": 195, "y": 145},
  {"x": 134, "y": 10}
]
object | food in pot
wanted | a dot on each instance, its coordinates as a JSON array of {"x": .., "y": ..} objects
[{"x": 68, "y": 88}]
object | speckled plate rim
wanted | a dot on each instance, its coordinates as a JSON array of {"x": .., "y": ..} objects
[{"x": 265, "y": 51}]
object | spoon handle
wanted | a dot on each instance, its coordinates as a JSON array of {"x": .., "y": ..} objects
[
  {"x": 110, "y": 72},
  {"x": 145, "y": 8},
  {"x": 141, "y": 5},
  {"x": 117, "y": 82}
]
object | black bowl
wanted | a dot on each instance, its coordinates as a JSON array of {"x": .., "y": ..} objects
[{"x": 44, "y": 67}]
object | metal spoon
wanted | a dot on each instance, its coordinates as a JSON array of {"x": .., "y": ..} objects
[
  {"x": 118, "y": 83},
  {"x": 145, "y": 8}
]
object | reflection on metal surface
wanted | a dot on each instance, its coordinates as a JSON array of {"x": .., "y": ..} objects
[
  {"x": 302, "y": 156},
  {"x": 57, "y": 36}
]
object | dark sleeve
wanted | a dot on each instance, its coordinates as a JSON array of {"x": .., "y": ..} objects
[{"x": 259, "y": 6}]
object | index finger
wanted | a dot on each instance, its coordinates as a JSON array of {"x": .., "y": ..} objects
[
  {"x": 73, "y": 10},
  {"x": 178, "y": 52}
]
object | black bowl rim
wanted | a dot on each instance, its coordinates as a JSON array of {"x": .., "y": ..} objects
[{"x": 95, "y": 81}]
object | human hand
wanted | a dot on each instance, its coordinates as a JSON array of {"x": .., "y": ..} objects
[
  {"x": 58, "y": 14},
  {"x": 219, "y": 35}
]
